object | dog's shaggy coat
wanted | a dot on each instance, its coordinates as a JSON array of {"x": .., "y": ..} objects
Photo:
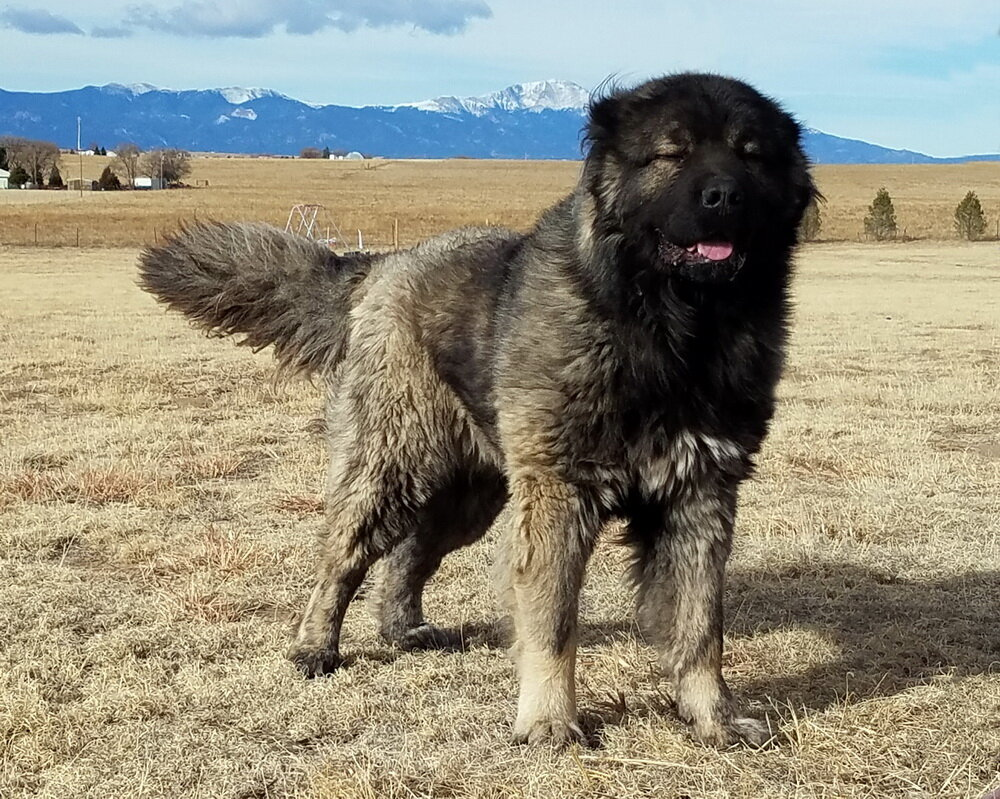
[{"x": 618, "y": 361}]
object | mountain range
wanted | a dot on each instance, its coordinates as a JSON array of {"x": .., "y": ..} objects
[{"x": 540, "y": 120}]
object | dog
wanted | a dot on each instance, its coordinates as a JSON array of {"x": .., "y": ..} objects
[{"x": 618, "y": 361}]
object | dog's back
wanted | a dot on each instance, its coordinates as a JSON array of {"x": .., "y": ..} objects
[{"x": 278, "y": 289}]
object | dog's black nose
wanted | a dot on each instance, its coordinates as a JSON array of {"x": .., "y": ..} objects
[{"x": 721, "y": 194}]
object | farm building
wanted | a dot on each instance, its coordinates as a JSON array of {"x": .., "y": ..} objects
[
  {"x": 354, "y": 156},
  {"x": 148, "y": 183},
  {"x": 4, "y": 179},
  {"x": 76, "y": 184}
]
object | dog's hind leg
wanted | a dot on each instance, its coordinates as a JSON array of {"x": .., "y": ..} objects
[
  {"x": 458, "y": 514},
  {"x": 367, "y": 518},
  {"x": 680, "y": 561}
]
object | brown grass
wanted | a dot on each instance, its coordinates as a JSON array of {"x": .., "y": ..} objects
[
  {"x": 158, "y": 504},
  {"x": 426, "y": 197}
]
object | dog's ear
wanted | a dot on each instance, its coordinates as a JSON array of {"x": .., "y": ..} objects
[
  {"x": 604, "y": 119},
  {"x": 604, "y": 115},
  {"x": 805, "y": 191}
]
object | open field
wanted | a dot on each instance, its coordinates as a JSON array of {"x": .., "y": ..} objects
[
  {"x": 159, "y": 495},
  {"x": 426, "y": 197}
]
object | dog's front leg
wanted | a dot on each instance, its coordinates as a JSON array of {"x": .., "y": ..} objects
[
  {"x": 547, "y": 548},
  {"x": 681, "y": 564}
]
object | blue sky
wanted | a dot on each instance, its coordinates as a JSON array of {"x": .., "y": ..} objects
[{"x": 901, "y": 73}]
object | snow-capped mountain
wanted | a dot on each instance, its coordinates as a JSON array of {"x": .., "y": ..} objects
[
  {"x": 238, "y": 96},
  {"x": 554, "y": 95},
  {"x": 530, "y": 120}
]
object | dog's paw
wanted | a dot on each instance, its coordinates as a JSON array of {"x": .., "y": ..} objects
[
  {"x": 733, "y": 730},
  {"x": 315, "y": 664},
  {"x": 556, "y": 733}
]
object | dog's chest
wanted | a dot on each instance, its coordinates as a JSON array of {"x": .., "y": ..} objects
[{"x": 682, "y": 462}]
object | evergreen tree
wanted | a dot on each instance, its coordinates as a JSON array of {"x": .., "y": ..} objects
[
  {"x": 326, "y": 153},
  {"x": 4, "y": 164},
  {"x": 18, "y": 176},
  {"x": 880, "y": 223},
  {"x": 970, "y": 222},
  {"x": 109, "y": 180},
  {"x": 811, "y": 222},
  {"x": 55, "y": 178}
]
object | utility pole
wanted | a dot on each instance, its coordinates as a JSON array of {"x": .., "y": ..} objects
[{"x": 79, "y": 154}]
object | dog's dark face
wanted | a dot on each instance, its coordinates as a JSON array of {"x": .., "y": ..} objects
[{"x": 699, "y": 174}]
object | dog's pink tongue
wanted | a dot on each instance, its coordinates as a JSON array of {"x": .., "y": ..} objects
[{"x": 715, "y": 250}]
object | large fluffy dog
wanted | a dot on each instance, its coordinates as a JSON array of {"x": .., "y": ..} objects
[{"x": 618, "y": 361}]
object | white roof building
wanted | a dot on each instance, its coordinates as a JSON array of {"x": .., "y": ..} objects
[{"x": 143, "y": 182}]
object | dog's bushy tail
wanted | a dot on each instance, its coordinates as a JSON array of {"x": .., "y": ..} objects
[{"x": 253, "y": 279}]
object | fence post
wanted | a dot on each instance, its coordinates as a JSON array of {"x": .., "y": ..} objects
[
  {"x": 395, "y": 233},
  {"x": 36, "y": 234},
  {"x": 78, "y": 238},
  {"x": 154, "y": 235}
]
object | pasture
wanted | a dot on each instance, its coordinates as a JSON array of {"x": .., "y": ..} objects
[
  {"x": 159, "y": 495},
  {"x": 425, "y": 197}
]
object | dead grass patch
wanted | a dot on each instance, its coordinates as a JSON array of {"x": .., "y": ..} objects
[
  {"x": 111, "y": 485},
  {"x": 218, "y": 467},
  {"x": 300, "y": 504}
]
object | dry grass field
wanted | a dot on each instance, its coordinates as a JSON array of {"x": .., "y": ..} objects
[
  {"x": 159, "y": 498},
  {"x": 425, "y": 197}
]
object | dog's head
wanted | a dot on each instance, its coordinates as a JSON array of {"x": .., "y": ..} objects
[{"x": 698, "y": 174}]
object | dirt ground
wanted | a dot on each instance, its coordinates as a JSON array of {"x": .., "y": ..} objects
[{"x": 159, "y": 496}]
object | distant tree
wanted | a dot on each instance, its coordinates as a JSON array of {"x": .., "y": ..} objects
[
  {"x": 170, "y": 164},
  {"x": 310, "y": 152},
  {"x": 340, "y": 153},
  {"x": 109, "y": 180},
  {"x": 811, "y": 222},
  {"x": 3, "y": 158},
  {"x": 326, "y": 153},
  {"x": 104, "y": 151},
  {"x": 55, "y": 178},
  {"x": 126, "y": 163},
  {"x": 970, "y": 222},
  {"x": 36, "y": 158},
  {"x": 880, "y": 223},
  {"x": 18, "y": 176}
]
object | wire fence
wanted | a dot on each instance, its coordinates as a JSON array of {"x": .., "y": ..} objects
[{"x": 45, "y": 235}]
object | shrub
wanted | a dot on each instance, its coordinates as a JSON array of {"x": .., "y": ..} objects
[
  {"x": 811, "y": 222},
  {"x": 970, "y": 222},
  {"x": 880, "y": 223}
]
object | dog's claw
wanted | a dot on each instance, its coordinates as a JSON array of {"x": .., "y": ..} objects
[
  {"x": 315, "y": 664},
  {"x": 736, "y": 730},
  {"x": 556, "y": 734}
]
